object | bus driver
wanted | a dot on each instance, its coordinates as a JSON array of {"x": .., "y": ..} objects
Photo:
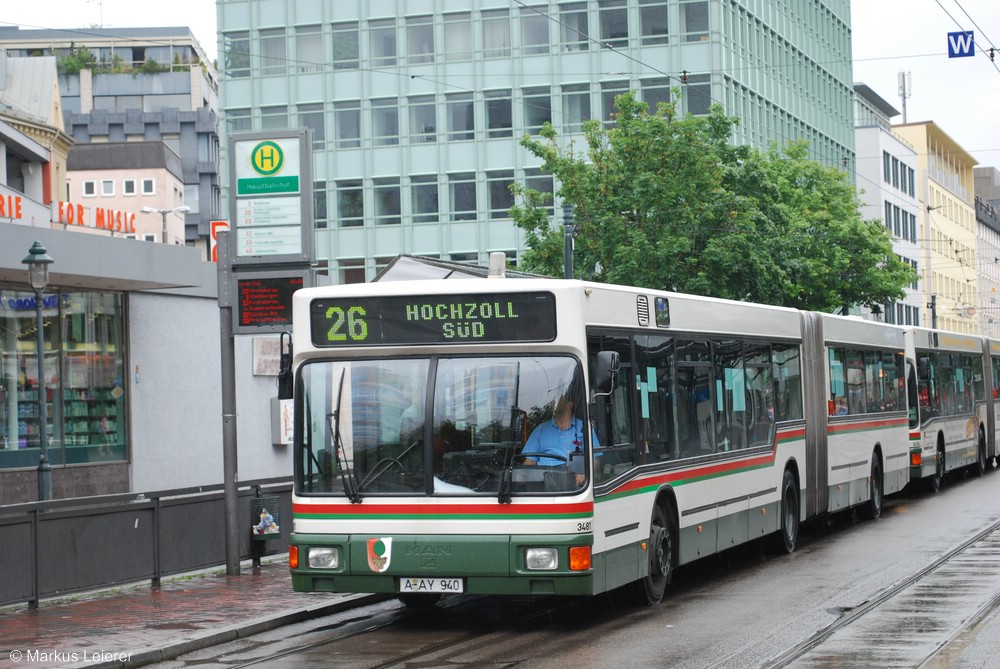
[{"x": 560, "y": 436}]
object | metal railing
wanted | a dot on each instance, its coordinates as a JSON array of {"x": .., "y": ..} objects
[{"x": 58, "y": 547}]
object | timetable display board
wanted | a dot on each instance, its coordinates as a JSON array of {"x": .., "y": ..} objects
[
  {"x": 433, "y": 319},
  {"x": 272, "y": 207},
  {"x": 263, "y": 300}
]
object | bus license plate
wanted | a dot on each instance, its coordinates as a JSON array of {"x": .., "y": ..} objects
[{"x": 442, "y": 585}]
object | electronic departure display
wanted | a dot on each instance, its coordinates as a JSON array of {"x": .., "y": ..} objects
[
  {"x": 433, "y": 319},
  {"x": 266, "y": 300}
]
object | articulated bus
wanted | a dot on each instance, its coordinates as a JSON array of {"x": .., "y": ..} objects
[
  {"x": 953, "y": 403},
  {"x": 698, "y": 424}
]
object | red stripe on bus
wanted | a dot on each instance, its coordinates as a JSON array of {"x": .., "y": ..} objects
[
  {"x": 864, "y": 425},
  {"x": 442, "y": 509}
]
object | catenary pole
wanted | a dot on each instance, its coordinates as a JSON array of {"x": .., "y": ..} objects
[{"x": 229, "y": 450}]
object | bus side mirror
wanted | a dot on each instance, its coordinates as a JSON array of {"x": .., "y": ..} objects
[
  {"x": 924, "y": 368},
  {"x": 285, "y": 383},
  {"x": 606, "y": 373}
]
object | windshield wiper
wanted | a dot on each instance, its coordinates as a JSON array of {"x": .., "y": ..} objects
[
  {"x": 346, "y": 477},
  {"x": 383, "y": 465}
]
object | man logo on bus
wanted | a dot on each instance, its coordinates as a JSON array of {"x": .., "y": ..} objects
[
  {"x": 379, "y": 553},
  {"x": 267, "y": 159}
]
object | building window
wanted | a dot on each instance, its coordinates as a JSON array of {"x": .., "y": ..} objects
[
  {"x": 501, "y": 199},
  {"x": 653, "y": 21},
  {"x": 84, "y": 364},
  {"x": 896, "y": 230},
  {"x": 90, "y": 189},
  {"x": 350, "y": 204},
  {"x": 888, "y": 215},
  {"x": 148, "y": 187},
  {"x": 537, "y": 108},
  {"x": 387, "y": 208},
  {"x": 347, "y": 116},
  {"x": 576, "y": 106},
  {"x": 535, "y": 180},
  {"x": 458, "y": 37},
  {"x": 107, "y": 187},
  {"x": 319, "y": 204},
  {"x": 496, "y": 33},
  {"x": 273, "y": 60},
  {"x": 613, "y": 19},
  {"x": 573, "y": 26},
  {"x": 609, "y": 91},
  {"x": 128, "y": 187},
  {"x": 385, "y": 121},
  {"x": 312, "y": 116},
  {"x": 694, "y": 18},
  {"x": 423, "y": 122},
  {"x": 238, "y": 120},
  {"x": 699, "y": 94},
  {"x": 420, "y": 39},
  {"x": 424, "y": 199},
  {"x": 462, "y": 196},
  {"x": 886, "y": 167},
  {"x": 274, "y": 118},
  {"x": 909, "y": 179},
  {"x": 895, "y": 172},
  {"x": 534, "y": 31},
  {"x": 345, "y": 46},
  {"x": 309, "y": 48},
  {"x": 352, "y": 271},
  {"x": 382, "y": 41},
  {"x": 655, "y": 91},
  {"x": 237, "y": 54},
  {"x": 498, "y": 113},
  {"x": 461, "y": 120}
]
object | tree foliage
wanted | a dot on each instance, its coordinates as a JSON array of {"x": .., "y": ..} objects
[{"x": 665, "y": 201}]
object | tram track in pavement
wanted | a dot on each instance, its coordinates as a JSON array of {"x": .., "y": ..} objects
[
  {"x": 895, "y": 628},
  {"x": 355, "y": 629}
]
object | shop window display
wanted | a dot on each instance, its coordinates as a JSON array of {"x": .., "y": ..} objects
[{"x": 83, "y": 335}]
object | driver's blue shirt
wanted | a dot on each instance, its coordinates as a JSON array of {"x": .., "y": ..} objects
[{"x": 549, "y": 438}]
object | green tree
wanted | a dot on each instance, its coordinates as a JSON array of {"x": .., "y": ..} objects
[
  {"x": 665, "y": 201},
  {"x": 75, "y": 60}
]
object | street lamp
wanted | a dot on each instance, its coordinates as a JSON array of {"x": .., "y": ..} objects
[
  {"x": 38, "y": 262},
  {"x": 183, "y": 209}
]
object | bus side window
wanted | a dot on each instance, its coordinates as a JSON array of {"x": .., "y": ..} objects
[
  {"x": 695, "y": 409},
  {"x": 654, "y": 384},
  {"x": 613, "y": 414}
]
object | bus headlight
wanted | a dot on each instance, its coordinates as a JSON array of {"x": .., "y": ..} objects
[
  {"x": 541, "y": 559},
  {"x": 327, "y": 557}
]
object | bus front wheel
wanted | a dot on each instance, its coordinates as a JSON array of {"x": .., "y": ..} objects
[{"x": 662, "y": 550}]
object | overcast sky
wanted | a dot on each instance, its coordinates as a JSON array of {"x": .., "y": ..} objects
[{"x": 962, "y": 95}]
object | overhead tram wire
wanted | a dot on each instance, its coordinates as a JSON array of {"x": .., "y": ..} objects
[{"x": 957, "y": 23}]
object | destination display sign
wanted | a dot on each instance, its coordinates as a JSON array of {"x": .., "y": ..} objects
[
  {"x": 433, "y": 319},
  {"x": 266, "y": 301}
]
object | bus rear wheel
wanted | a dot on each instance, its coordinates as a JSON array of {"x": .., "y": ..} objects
[
  {"x": 980, "y": 467},
  {"x": 662, "y": 561},
  {"x": 788, "y": 537},
  {"x": 934, "y": 482},
  {"x": 875, "y": 490}
]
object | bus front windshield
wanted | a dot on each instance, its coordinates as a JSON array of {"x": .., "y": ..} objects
[{"x": 441, "y": 426}]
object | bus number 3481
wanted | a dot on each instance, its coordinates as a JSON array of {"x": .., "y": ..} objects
[{"x": 356, "y": 326}]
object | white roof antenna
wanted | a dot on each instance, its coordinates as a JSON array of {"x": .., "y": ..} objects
[{"x": 498, "y": 265}]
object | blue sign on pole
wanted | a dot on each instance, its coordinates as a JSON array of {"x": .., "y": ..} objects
[{"x": 961, "y": 44}]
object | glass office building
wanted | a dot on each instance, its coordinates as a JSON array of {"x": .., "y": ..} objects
[{"x": 417, "y": 106}]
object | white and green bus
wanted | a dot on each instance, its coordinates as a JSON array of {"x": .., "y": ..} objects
[
  {"x": 953, "y": 403},
  {"x": 698, "y": 424}
]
